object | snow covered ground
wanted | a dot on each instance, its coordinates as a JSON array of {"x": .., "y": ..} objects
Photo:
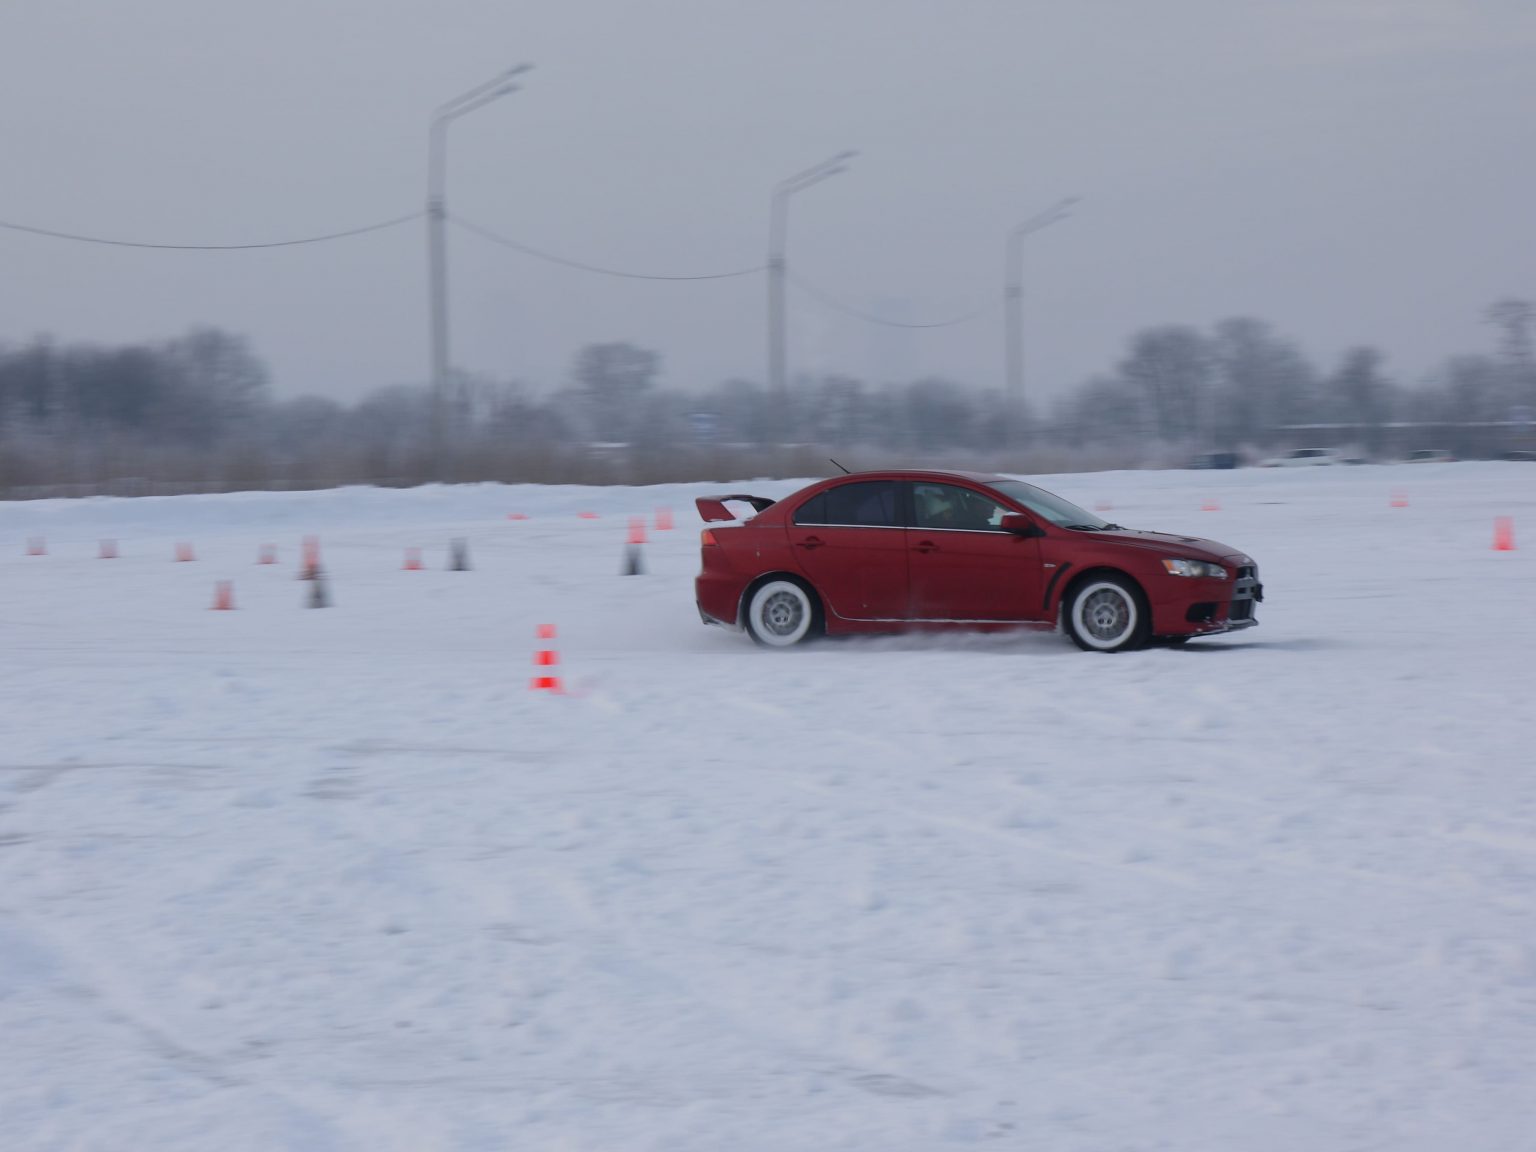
[{"x": 281, "y": 878}]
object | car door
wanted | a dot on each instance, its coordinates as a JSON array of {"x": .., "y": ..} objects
[
  {"x": 961, "y": 565},
  {"x": 849, "y": 541}
]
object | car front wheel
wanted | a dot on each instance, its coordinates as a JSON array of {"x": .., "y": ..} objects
[
  {"x": 780, "y": 614},
  {"x": 1106, "y": 615}
]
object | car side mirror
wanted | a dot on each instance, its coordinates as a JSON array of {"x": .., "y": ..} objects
[{"x": 1020, "y": 525}]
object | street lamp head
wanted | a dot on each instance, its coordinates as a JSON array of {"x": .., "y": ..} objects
[
  {"x": 817, "y": 172},
  {"x": 472, "y": 103},
  {"x": 1056, "y": 212},
  {"x": 480, "y": 95}
]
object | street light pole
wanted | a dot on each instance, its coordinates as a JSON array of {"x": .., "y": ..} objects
[
  {"x": 1013, "y": 315},
  {"x": 437, "y": 247},
  {"x": 778, "y": 227}
]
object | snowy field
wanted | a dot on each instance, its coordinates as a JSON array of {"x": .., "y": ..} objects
[{"x": 280, "y": 878}]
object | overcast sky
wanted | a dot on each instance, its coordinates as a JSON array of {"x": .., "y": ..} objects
[{"x": 1354, "y": 171}]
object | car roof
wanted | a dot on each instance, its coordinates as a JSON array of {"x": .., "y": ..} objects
[{"x": 924, "y": 474}]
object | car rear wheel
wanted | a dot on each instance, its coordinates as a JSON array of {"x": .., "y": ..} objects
[
  {"x": 781, "y": 614},
  {"x": 1105, "y": 614}
]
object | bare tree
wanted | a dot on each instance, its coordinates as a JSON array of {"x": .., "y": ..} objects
[
  {"x": 612, "y": 379},
  {"x": 1260, "y": 382},
  {"x": 1515, "y": 320},
  {"x": 1361, "y": 394},
  {"x": 1171, "y": 366}
]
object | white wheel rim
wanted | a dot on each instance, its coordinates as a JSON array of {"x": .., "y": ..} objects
[
  {"x": 781, "y": 613},
  {"x": 1104, "y": 615}
]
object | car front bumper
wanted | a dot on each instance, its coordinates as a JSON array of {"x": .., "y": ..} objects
[{"x": 1210, "y": 607}]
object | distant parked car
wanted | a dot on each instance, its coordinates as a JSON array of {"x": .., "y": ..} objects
[
  {"x": 1214, "y": 460},
  {"x": 1520, "y": 454},
  {"x": 1428, "y": 456},
  {"x": 1305, "y": 458}
]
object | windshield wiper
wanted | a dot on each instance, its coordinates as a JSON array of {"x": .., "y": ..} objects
[{"x": 1080, "y": 527}]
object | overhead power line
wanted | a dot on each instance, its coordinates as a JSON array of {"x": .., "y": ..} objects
[
  {"x": 540, "y": 254},
  {"x": 51, "y": 233},
  {"x": 506, "y": 242},
  {"x": 870, "y": 318}
]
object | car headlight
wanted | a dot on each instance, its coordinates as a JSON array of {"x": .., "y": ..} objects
[{"x": 1195, "y": 568}]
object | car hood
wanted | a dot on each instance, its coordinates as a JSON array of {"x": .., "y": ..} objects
[{"x": 1169, "y": 544}]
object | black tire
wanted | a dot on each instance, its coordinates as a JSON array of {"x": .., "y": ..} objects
[
  {"x": 781, "y": 612},
  {"x": 1107, "y": 614}
]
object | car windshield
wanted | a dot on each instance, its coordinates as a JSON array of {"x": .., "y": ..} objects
[{"x": 1062, "y": 513}]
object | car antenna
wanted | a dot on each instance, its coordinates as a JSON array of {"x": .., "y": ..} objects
[{"x": 846, "y": 472}]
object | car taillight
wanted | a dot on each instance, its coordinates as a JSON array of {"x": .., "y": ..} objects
[{"x": 707, "y": 539}]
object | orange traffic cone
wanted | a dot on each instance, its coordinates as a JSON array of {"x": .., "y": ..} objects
[
  {"x": 1103, "y": 506},
  {"x": 633, "y": 565},
  {"x": 587, "y": 515},
  {"x": 37, "y": 546},
  {"x": 1210, "y": 506},
  {"x": 1503, "y": 533},
  {"x": 1399, "y": 500},
  {"x": 266, "y": 554},
  {"x": 108, "y": 550},
  {"x": 412, "y": 560},
  {"x": 224, "y": 596},
  {"x": 184, "y": 553},
  {"x": 309, "y": 566},
  {"x": 517, "y": 515},
  {"x": 663, "y": 519},
  {"x": 546, "y": 658}
]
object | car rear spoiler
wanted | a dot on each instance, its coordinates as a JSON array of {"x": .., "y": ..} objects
[{"x": 712, "y": 508}]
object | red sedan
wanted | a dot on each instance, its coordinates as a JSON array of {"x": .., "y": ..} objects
[{"x": 886, "y": 551}]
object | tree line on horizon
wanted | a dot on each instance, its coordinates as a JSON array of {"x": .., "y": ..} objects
[{"x": 197, "y": 413}]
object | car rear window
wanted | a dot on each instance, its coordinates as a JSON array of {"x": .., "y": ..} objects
[{"x": 864, "y": 504}]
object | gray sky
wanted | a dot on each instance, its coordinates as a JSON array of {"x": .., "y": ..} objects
[{"x": 1350, "y": 170}]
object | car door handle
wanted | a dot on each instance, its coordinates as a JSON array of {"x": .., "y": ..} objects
[
  {"x": 925, "y": 546},
  {"x": 812, "y": 542}
]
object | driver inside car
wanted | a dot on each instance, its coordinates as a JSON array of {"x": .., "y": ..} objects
[
  {"x": 935, "y": 509},
  {"x": 947, "y": 507}
]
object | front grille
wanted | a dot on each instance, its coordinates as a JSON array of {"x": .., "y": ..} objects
[{"x": 1240, "y": 610}]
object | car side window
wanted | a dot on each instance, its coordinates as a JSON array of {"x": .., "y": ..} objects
[
  {"x": 950, "y": 506},
  {"x": 813, "y": 511},
  {"x": 865, "y": 503}
]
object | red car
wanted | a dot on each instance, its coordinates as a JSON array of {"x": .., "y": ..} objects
[{"x": 886, "y": 551}]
